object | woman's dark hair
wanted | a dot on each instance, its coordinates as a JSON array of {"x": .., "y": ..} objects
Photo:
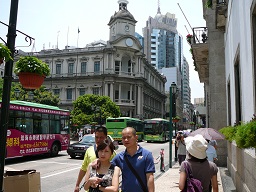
[
  {"x": 106, "y": 143},
  {"x": 192, "y": 158}
]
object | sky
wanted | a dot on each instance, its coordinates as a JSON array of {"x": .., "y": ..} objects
[{"x": 55, "y": 23}]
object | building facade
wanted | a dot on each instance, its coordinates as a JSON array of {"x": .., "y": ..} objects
[
  {"x": 240, "y": 84},
  {"x": 163, "y": 46},
  {"x": 224, "y": 53},
  {"x": 209, "y": 60},
  {"x": 116, "y": 68},
  {"x": 186, "y": 94}
]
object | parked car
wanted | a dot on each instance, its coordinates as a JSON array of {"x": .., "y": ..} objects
[{"x": 79, "y": 148}]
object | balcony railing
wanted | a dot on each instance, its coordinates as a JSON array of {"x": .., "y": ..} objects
[
  {"x": 125, "y": 102},
  {"x": 199, "y": 47},
  {"x": 221, "y": 2},
  {"x": 200, "y": 35}
]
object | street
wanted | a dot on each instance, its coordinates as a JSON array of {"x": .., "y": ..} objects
[{"x": 59, "y": 174}]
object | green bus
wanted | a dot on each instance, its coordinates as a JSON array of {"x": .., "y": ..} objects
[
  {"x": 116, "y": 125},
  {"x": 156, "y": 130}
]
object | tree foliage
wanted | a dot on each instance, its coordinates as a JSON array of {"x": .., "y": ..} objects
[
  {"x": 83, "y": 112},
  {"x": 40, "y": 95}
]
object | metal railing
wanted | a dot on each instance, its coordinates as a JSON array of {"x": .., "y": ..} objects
[
  {"x": 200, "y": 35},
  {"x": 221, "y": 2}
]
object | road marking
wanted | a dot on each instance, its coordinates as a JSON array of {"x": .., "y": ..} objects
[
  {"x": 60, "y": 173},
  {"x": 57, "y": 163}
]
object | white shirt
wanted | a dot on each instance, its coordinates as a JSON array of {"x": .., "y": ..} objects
[{"x": 211, "y": 152}]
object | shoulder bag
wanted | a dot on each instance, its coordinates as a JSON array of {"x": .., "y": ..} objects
[
  {"x": 192, "y": 184},
  {"x": 144, "y": 188}
]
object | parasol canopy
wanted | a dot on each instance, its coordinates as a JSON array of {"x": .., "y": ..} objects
[{"x": 208, "y": 133}]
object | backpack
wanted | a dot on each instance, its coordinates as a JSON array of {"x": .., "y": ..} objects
[{"x": 192, "y": 184}]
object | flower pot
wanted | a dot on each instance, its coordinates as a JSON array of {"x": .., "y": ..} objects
[
  {"x": 189, "y": 40},
  {"x": 31, "y": 80},
  {"x": 175, "y": 120}
]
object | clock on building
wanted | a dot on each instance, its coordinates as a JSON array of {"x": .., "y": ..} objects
[
  {"x": 127, "y": 27},
  {"x": 129, "y": 42}
]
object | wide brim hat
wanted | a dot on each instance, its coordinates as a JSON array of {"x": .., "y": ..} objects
[{"x": 196, "y": 146}]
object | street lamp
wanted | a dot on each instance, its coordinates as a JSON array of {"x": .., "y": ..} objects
[
  {"x": 194, "y": 120},
  {"x": 17, "y": 93},
  {"x": 11, "y": 36},
  {"x": 7, "y": 86},
  {"x": 174, "y": 92},
  {"x": 197, "y": 120},
  {"x": 30, "y": 95}
]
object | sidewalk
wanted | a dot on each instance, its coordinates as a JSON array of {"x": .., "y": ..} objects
[{"x": 169, "y": 180}]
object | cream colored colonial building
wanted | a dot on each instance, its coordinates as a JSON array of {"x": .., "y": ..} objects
[{"x": 116, "y": 68}]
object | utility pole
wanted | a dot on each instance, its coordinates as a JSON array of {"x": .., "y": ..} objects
[{"x": 11, "y": 36}]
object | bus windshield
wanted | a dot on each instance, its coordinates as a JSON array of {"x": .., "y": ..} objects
[
  {"x": 153, "y": 128},
  {"x": 116, "y": 125},
  {"x": 156, "y": 129}
]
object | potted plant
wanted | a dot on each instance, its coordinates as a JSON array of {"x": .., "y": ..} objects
[
  {"x": 31, "y": 71},
  {"x": 208, "y": 4},
  {"x": 175, "y": 119},
  {"x": 189, "y": 37},
  {"x": 5, "y": 53},
  {"x": 191, "y": 123}
]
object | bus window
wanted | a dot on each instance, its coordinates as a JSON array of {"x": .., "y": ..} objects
[
  {"x": 37, "y": 129},
  {"x": 28, "y": 114},
  {"x": 54, "y": 126},
  {"x": 29, "y": 125},
  {"x": 19, "y": 114},
  {"x": 45, "y": 116},
  {"x": 24, "y": 125},
  {"x": 45, "y": 126}
]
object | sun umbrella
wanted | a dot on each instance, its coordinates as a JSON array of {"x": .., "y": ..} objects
[{"x": 208, "y": 133}]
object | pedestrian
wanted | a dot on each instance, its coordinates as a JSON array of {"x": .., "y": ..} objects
[
  {"x": 91, "y": 154},
  {"x": 213, "y": 143},
  {"x": 106, "y": 176},
  {"x": 141, "y": 164},
  {"x": 211, "y": 152},
  {"x": 181, "y": 147},
  {"x": 80, "y": 134},
  {"x": 202, "y": 169}
]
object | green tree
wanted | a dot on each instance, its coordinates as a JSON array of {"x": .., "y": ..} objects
[
  {"x": 43, "y": 96},
  {"x": 83, "y": 113},
  {"x": 40, "y": 95}
]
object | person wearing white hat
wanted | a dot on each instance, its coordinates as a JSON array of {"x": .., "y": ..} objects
[{"x": 202, "y": 169}]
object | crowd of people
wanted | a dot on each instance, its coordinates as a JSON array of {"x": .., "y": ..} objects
[{"x": 102, "y": 167}]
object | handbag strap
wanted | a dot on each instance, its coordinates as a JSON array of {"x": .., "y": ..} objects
[
  {"x": 136, "y": 174},
  {"x": 188, "y": 170}
]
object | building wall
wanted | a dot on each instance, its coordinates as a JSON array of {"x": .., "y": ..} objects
[
  {"x": 239, "y": 50},
  {"x": 215, "y": 87},
  {"x": 137, "y": 91}
]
